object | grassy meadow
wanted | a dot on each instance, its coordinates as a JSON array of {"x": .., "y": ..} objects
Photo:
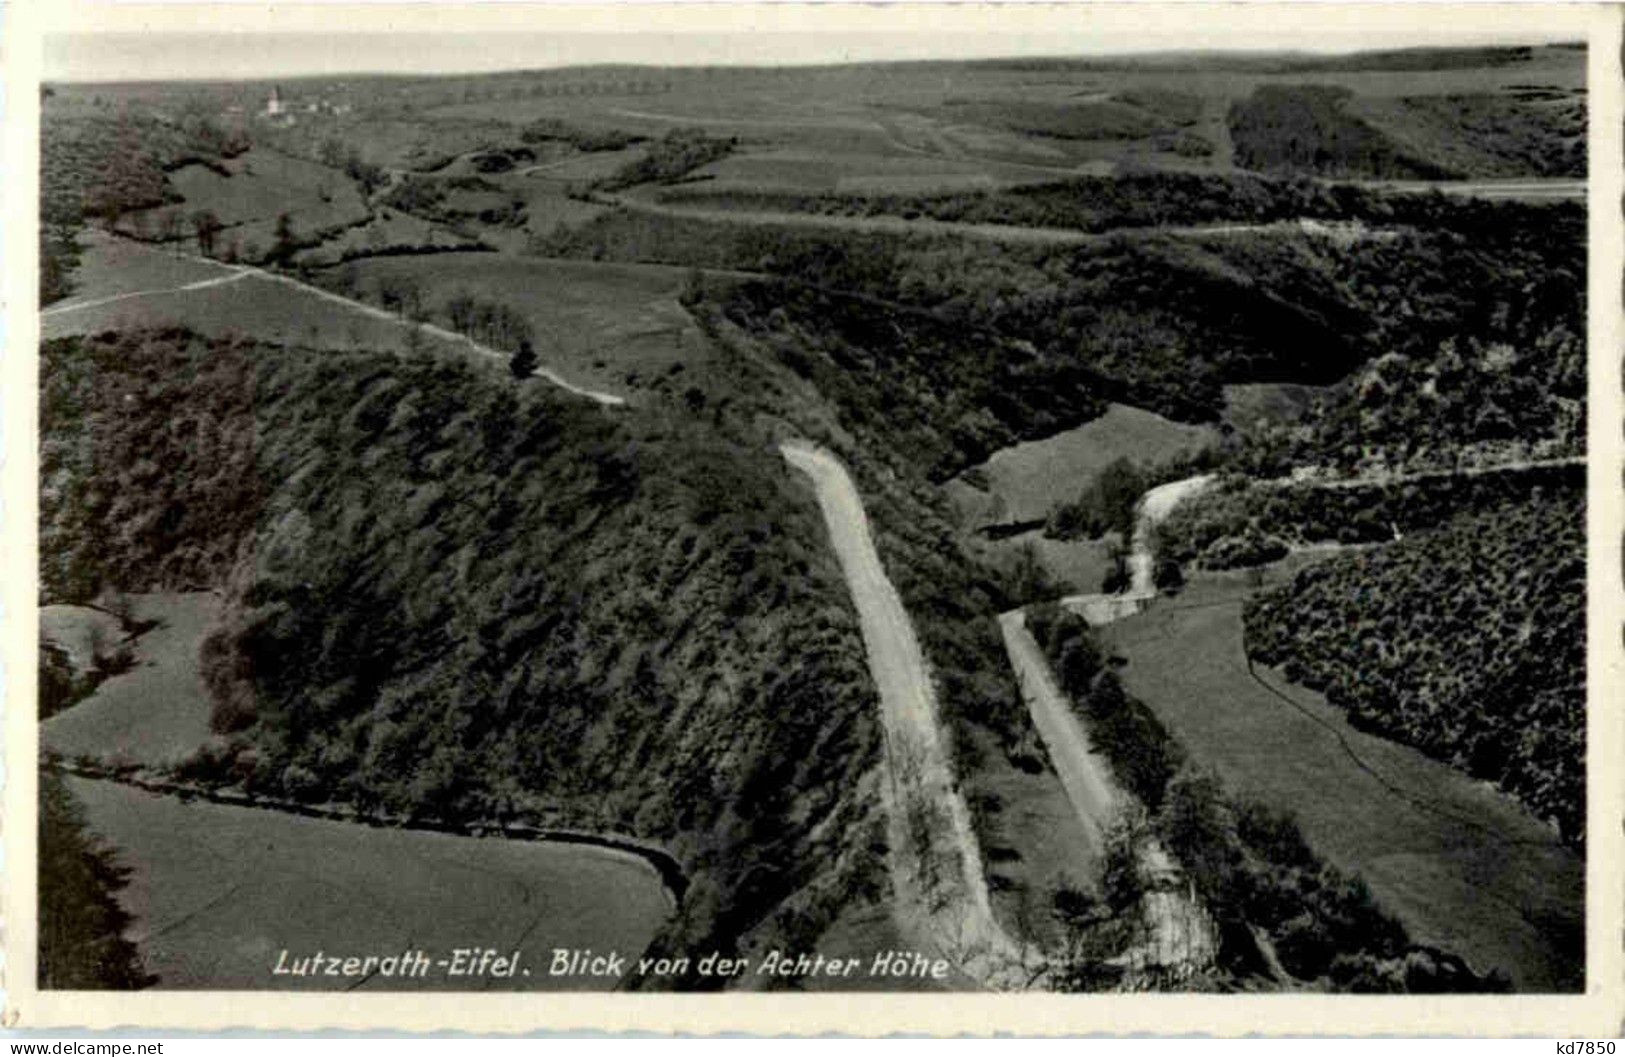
[
  {"x": 157, "y": 713},
  {"x": 217, "y": 892},
  {"x": 1026, "y": 481},
  {"x": 618, "y": 327}
]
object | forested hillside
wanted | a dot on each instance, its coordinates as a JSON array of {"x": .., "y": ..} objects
[
  {"x": 451, "y": 597},
  {"x": 1047, "y": 334},
  {"x": 1107, "y": 203},
  {"x": 1241, "y": 522},
  {"x": 1467, "y": 641}
]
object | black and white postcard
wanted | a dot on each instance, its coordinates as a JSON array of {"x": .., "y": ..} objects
[{"x": 930, "y": 518}]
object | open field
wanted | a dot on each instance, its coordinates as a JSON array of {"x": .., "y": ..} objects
[
  {"x": 1057, "y": 113},
  {"x": 262, "y": 185},
  {"x": 802, "y": 170},
  {"x": 219, "y": 891},
  {"x": 1459, "y": 863},
  {"x": 158, "y": 711},
  {"x": 1027, "y": 481},
  {"x": 1032, "y": 844},
  {"x": 617, "y": 326},
  {"x": 252, "y": 305},
  {"x": 546, "y": 209},
  {"x": 236, "y": 302},
  {"x": 111, "y": 267}
]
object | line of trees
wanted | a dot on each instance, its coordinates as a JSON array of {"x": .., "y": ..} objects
[
  {"x": 1251, "y": 865},
  {"x": 489, "y": 322}
]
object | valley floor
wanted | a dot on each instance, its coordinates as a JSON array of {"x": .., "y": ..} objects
[
  {"x": 217, "y": 891},
  {"x": 1459, "y": 863}
]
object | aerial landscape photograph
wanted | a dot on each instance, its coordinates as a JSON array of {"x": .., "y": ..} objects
[{"x": 532, "y": 516}]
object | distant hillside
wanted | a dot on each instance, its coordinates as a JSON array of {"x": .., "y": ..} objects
[
  {"x": 1308, "y": 128},
  {"x": 900, "y": 330},
  {"x": 452, "y": 597},
  {"x": 1327, "y": 130}
]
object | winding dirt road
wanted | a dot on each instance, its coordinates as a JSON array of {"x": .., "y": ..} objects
[
  {"x": 1180, "y": 937},
  {"x": 1155, "y": 505},
  {"x": 203, "y": 284},
  {"x": 936, "y": 861},
  {"x": 1083, "y": 775}
]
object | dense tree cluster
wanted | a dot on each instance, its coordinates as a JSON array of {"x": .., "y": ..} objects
[
  {"x": 909, "y": 379},
  {"x": 669, "y": 159},
  {"x": 1471, "y": 403},
  {"x": 431, "y": 198},
  {"x": 490, "y": 322},
  {"x": 549, "y": 129},
  {"x": 451, "y": 597},
  {"x": 1308, "y": 128},
  {"x": 81, "y": 925},
  {"x": 1467, "y": 642},
  {"x": 1101, "y": 204},
  {"x": 1326, "y": 130},
  {"x": 114, "y": 512},
  {"x": 105, "y": 165},
  {"x": 1251, "y": 865},
  {"x": 1099, "y": 119}
]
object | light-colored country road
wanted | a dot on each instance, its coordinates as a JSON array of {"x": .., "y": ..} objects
[
  {"x": 896, "y": 225},
  {"x": 203, "y": 284},
  {"x": 1491, "y": 189},
  {"x": 607, "y": 399},
  {"x": 953, "y": 910},
  {"x": 942, "y": 890},
  {"x": 882, "y": 224},
  {"x": 1180, "y": 936},
  {"x": 1154, "y": 506},
  {"x": 1083, "y": 774},
  {"x": 1420, "y": 476},
  {"x": 235, "y": 272}
]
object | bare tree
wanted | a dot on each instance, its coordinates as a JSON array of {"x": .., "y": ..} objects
[{"x": 206, "y": 225}]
